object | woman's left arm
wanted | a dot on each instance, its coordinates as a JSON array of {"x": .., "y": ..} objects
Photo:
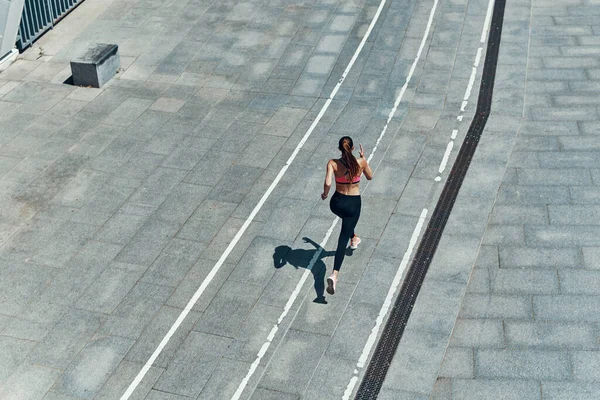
[{"x": 328, "y": 180}]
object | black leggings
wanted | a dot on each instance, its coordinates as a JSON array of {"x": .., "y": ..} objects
[{"x": 348, "y": 209}]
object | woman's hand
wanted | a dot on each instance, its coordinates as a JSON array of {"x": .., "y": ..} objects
[
  {"x": 361, "y": 152},
  {"x": 324, "y": 195}
]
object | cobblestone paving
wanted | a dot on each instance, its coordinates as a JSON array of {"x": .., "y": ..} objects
[{"x": 115, "y": 203}]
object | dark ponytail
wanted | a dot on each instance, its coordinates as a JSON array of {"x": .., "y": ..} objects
[{"x": 345, "y": 147}]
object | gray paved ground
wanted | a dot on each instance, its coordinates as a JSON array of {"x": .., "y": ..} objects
[{"x": 116, "y": 203}]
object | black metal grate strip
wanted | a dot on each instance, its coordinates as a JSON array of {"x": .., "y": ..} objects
[{"x": 394, "y": 328}]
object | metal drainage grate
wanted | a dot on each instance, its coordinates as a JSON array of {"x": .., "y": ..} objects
[{"x": 394, "y": 328}]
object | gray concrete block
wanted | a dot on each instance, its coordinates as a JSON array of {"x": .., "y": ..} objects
[
  {"x": 96, "y": 66},
  {"x": 585, "y": 365},
  {"x": 584, "y": 195},
  {"x": 442, "y": 390},
  {"x": 299, "y": 352},
  {"x": 443, "y": 297},
  {"x": 557, "y": 128},
  {"x": 234, "y": 299},
  {"x": 570, "y": 390},
  {"x": 105, "y": 294},
  {"x": 161, "y": 395},
  {"x": 174, "y": 262},
  {"x": 522, "y": 281},
  {"x": 134, "y": 313},
  {"x": 549, "y": 176},
  {"x": 550, "y": 335},
  {"x": 156, "y": 330},
  {"x": 148, "y": 242},
  {"x": 530, "y": 195},
  {"x": 504, "y": 235},
  {"x": 416, "y": 364},
  {"x": 256, "y": 265},
  {"x": 351, "y": 335},
  {"x": 268, "y": 394},
  {"x": 458, "y": 363},
  {"x": 122, "y": 377},
  {"x": 506, "y": 389},
  {"x": 579, "y": 143},
  {"x": 563, "y": 114},
  {"x": 224, "y": 381},
  {"x": 566, "y": 308},
  {"x": 14, "y": 353},
  {"x": 193, "y": 364},
  {"x": 183, "y": 200},
  {"x": 330, "y": 378},
  {"x": 523, "y": 364},
  {"x": 86, "y": 376},
  {"x": 127, "y": 112},
  {"x": 519, "y": 214},
  {"x": 591, "y": 257},
  {"x": 579, "y": 282},
  {"x": 66, "y": 339},
  {"x": 539, "y": 257},
  {"x": 394, "y": 394},
  {"x": 120, "y": 228},
  {"x": 477, "y": 333},
  {"x": 29, "y": 382},
  {"x": 496, "y": 306},
  {"x": 253, "y": 334},
  {"x": 569, "y": 159},
  {"x": 206, "y": 221},
  {"x": 570, "y": 62},
  {"x": 562, "y": 236}
]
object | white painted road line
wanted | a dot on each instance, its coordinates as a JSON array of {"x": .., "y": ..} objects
[
  {"x": 323, "y": 243},
  {"x": 446, "y": 156},
  {"x": 387, "y": 304},
  {"x": 469, "y": 89},
  {"x": 385, "y": 308},
  {"x": 288, "y": 306},
  {"x": 250, "y": 218}
]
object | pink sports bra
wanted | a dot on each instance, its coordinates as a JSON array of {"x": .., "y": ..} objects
[{"x": 345, "y": 179}]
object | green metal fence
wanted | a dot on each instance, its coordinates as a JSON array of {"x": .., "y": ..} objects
[{"x": 39, "y": 16}]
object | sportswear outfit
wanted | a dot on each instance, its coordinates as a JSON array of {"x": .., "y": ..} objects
[{"x": 346, "y": 207}]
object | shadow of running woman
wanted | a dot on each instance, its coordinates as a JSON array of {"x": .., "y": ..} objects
[{"x": 302, "y": 258}]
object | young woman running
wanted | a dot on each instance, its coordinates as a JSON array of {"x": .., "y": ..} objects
[{"x": 345, "y": 202}]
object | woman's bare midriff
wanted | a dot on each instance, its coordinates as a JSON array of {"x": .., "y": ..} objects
[{"x": 348, "y": 189}]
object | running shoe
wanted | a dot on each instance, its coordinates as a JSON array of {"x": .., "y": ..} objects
[
  {"x": 356, "y": 243},
  {"x": 331, "y": 284}
]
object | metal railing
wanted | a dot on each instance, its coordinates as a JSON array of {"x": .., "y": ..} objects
[{"x": 39, "y": 16}]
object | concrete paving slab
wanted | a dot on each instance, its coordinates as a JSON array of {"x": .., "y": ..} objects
[{"x": 213, "y": 100}]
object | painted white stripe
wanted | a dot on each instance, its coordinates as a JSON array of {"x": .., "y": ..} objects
[
  {"x": 379, "y": 321},
  {"x": 250, "y": 218},
  {"x": 307, "y": 272},
  {"x": 413, "y": 67},
  {"x": 488, "y": 19},
  {"x": 386, "y": 304},
  {"x": 286, "y": 310},
  {"x": 446, "y": 156},
  {"x": 478, "y": 57},
  {"x": 471, "y": 83}
]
